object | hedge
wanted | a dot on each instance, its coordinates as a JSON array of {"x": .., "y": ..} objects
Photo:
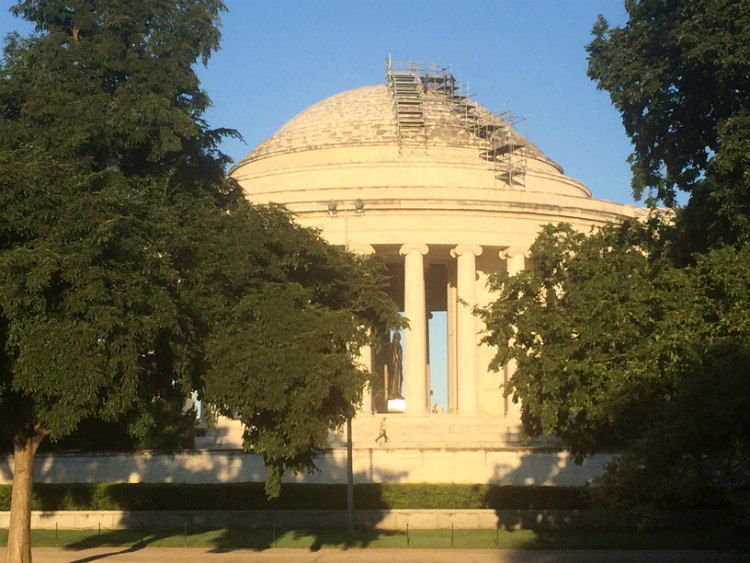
[{"x": 251, "y": 496}]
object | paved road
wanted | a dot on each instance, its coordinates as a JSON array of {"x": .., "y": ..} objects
[{"x": 285, "y": 555}]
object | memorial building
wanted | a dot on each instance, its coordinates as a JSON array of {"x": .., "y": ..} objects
[{"x": 448, "y": 192}]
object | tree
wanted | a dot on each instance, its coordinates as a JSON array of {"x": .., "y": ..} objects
[
  {"x": 636, "y": 337},
  {"x": 128, "y": 259},
  {"x": 102, "y": 152},
  {"x": 286, "y": 334},
  {"x": 677, "y": 73},
  {"x": 617, "y": 349},
  {"x": 573, "y": 325}
]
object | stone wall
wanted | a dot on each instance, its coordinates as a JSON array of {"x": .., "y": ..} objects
[
  {"x": 370, "y": 465},
  {"x": 373, "y": 519}
]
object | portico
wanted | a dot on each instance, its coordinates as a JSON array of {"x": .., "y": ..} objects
[{"x": 427, "y": 279}]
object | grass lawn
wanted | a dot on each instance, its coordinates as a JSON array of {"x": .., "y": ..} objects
[{"x": 262, "y": 538}]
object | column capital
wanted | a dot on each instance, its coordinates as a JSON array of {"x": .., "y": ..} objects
[
  {"x": 462, "y": 249},
  {"x": 413, "y": 247},
  {"x": 514, "y": 251},
  {"x": 365, "y": 249}
]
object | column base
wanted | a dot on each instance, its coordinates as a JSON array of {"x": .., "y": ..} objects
[{"x": 396, "y": 405}]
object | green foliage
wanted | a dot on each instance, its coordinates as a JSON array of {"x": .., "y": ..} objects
[
  {"x": 573, "y": 324},
  {"x": 103, "y": 157},
  {"x": 637, "y": 337},
  {"x": 294, "y": 496},
  {"x": 286, "y": 333},
  {"x": 132, "y": 271},
  {"x": 698, "y": 445},
  {"x": 617, "y": 348},
  {"x": 468, "y": 497},
  {"x": 677, "y": 73},
  {"x": 174, "y": 428}
]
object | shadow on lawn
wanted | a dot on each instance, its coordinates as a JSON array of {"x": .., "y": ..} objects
[
  {"x": 305, "y": 516},
  {"x": 99, "y": 556},
  {"x": 236, "y": 537}
]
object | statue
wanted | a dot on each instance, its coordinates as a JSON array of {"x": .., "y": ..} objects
[{"x": 396, "y": 371}]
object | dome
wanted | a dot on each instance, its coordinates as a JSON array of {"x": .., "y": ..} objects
[
  {"x": 365, "y": 116},
  {"x": 419, "y": 155}
]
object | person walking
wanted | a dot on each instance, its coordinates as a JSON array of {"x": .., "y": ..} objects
[{"x": 383, "y": 433}]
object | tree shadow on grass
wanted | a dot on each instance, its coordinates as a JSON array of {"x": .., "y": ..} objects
[
  {"x": 99, "y": 556},
  {"x": 137, "y": 538},
  {"x": 359, "y": 538},
  {"x": 312, "y": 528},
  {"x": 305, "y": 516},
  {"x": 312, "y": 539},
  {"x": 134, "y": 539},
  {"x": 315, "y": 529}
]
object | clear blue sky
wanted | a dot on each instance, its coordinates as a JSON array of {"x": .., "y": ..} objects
[
  {"x": 527, "y": 56},
  {"x": 279, "y": 57}
]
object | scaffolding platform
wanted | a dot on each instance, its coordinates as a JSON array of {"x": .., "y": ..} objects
[{"x": 501, "y": 145}]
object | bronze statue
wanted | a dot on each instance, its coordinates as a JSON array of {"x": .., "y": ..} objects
[{"x": 396, "y": 372}]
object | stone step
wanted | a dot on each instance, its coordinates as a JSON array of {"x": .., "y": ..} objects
[{"x": 432, "y": 432}]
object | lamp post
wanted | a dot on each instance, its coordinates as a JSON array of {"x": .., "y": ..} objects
[
  {"x": 349, "y": 478},
  {"x": 333, "y": 211}
]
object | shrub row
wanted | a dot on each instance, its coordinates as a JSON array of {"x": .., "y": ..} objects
[{"x": 251, "y": 496}]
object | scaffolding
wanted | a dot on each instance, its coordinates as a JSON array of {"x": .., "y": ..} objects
[
  {"x": 407, "y": 97},
  {"x": 501, "y": 144},
  {"x": 506, "y": 149}
]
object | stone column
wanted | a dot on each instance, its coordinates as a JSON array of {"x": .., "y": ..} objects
[
  {"x": 515, "y": 262},
  {"x": 365, "y": 353},
  {"x": 415, "y": 337},
  {"x": 365, "y": 360},
  {"x": 466, "y": 328},
  {"x": 451, "y": 306}
]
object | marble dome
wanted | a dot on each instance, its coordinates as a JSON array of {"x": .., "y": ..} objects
[{"x": 354, "y": 141}]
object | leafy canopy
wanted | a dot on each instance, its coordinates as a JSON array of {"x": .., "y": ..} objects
[
  {"x": 286, "y": 331},
  {"x": 105, "y": 162},
  {"x": 106, "y": 165},
  {"x": 617, "y": 349},
  {"x": 132, "y": 271},
  {"x": 637, "y": 337},
  {"x": 678, "y": 74}
]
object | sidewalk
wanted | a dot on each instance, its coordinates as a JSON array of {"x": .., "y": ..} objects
[{"x": 285, "y": 555}]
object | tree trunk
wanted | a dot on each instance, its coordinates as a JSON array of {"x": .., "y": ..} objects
[{"x": 25, "y": 444}]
